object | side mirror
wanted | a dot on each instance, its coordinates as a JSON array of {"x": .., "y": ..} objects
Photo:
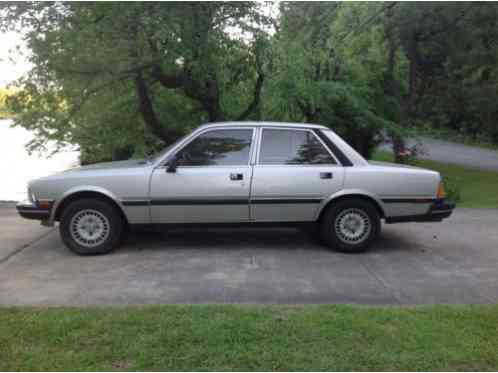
[{"x": 172, "y": 165}]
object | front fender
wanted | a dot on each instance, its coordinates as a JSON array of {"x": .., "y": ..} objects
[{"x": 79, "y": 189}]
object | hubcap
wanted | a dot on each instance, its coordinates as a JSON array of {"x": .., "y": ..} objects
[
  {"x": 352, "y": 226},
  {"x": 89, "y": 228}
]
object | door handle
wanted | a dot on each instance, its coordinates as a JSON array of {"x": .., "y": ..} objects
[
  {"x": 326, "y": 175},
  {"x": 236, "y": 176}
]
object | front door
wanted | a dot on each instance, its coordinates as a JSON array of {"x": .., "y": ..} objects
[
  {"x": 211, "y": 183},
  {"x": 293, "y": 175}
]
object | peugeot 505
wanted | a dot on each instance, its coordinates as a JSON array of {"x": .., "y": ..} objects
[{"x": 239, "y": 173}]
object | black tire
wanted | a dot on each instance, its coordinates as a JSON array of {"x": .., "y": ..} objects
[
  {"x": 337, "y": 234},
  {"x": 107, "y": 225}
]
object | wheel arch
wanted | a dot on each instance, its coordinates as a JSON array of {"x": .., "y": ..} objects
[
  {"x": 351, "y": 194},
  {"x": 86, "y": 192}
]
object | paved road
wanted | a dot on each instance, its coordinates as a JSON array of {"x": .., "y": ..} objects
[
  {"x": 452, "y": 262},
  {"x": 450, "y": 152}
]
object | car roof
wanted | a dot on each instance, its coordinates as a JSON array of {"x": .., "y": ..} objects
[{"x": 262, "y": 124}]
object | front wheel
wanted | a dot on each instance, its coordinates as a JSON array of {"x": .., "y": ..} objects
[
  {"x": 91, "y": 227},
  {"x": 350, "y": 225}
]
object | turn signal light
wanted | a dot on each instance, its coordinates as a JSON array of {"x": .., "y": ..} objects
[
  {"x": 44, "y": 204},
  {"x": 440, "y": 191}
]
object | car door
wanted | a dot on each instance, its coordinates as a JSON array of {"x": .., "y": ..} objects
[
  {"x": 211, "y": 182},
  {"x": 293, "y": 174}
]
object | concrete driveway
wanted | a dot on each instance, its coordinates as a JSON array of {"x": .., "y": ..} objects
[{"x": 451, "y": 262}]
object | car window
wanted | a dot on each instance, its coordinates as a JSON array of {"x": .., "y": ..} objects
[
  {"x": 292, "y": 147},
  {"x": 217, "y": 148}
]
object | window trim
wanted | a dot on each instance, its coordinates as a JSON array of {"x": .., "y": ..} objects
[
  {"x": 332, "y": 146},
  {"x": 207, "y": 130},
  {"x": 260, "y": 142}
]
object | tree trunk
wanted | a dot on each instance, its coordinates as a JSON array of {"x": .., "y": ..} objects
[
  {"x": 149, "y": 116},
  {"x": 392, "y": 89},
  {"x": 211, "y": 101},
  {"x": 398, "y": 143}
]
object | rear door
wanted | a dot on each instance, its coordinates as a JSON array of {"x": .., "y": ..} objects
[
  {"x": 293, "y": 173},
  {"x": 211, "y": 183}
]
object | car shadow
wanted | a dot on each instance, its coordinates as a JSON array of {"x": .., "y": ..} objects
[
  {"x": 283, "y": 239},
  {"x": 395, "y": 241},
  {"x": 226, "y": 238}
]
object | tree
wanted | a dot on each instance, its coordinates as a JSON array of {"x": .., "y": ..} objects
[
  {"x": 319, "y": 76},
  {"x": 105, "y": 73},
  {"x": 122, "y": 79},
  {"x": 462, "y": 95},
  {"x": 427, "y": 65}
]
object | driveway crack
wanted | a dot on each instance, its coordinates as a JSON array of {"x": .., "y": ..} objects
[
  {"x": 382, "y": 282},
  {"x": 19, "y": 249}
]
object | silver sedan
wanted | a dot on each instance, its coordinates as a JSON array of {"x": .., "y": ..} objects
[{"x": 239, "y": 173}]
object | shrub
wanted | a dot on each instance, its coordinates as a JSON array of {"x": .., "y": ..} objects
[{"x": 453, "y": 188}]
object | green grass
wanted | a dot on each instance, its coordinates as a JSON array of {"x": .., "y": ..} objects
[
  {"x": 226, "y": 337},
  {"x": 479, "y": 189}
]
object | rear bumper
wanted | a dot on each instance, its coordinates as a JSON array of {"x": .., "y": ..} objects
[
  {"x": 440, "y": 209},
  {"x": 31, "y": 210}
]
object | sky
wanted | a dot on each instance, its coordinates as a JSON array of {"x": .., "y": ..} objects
[{"x": 12, "y": 63}]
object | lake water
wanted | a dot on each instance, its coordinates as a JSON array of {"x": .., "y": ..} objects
[{"x": 17, "y": 167}]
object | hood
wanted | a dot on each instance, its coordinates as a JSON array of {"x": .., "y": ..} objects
[
  {"x": 130, "y": 163},
  {"x": 88, "y": 171}
]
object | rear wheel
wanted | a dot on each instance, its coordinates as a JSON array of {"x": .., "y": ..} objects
[
  {"x": 351, "y": 225},
  {"x": 91, "y": 227}
]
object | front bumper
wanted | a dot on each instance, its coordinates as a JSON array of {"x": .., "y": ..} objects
[
  {"x": 440, "y": 209},
  {"x": 34, "y": 210}
]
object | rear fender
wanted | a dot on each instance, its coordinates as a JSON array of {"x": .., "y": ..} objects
[{"x": 351, "y": 193}]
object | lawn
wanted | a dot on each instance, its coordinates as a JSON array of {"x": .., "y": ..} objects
[
  {"x": 231, "y": 337},
  {"x": 479, "y": 189}
]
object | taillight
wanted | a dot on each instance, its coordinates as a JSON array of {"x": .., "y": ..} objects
[{"x": 440, "y": 191}]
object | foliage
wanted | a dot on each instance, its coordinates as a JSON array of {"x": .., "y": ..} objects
[
  {"x": 451, "y": 62},
  {"x": 463, "y": 95},
  {"x": 117, "y": 76},
  {"x": 452, "y": 186},
  {"x": 123, "y": 79},
  {"x": 318, "y": 79},
  {"x": 4, "y": 95}
]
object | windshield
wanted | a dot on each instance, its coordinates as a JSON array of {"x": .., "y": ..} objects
[{"x": 153, "y": 158}]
